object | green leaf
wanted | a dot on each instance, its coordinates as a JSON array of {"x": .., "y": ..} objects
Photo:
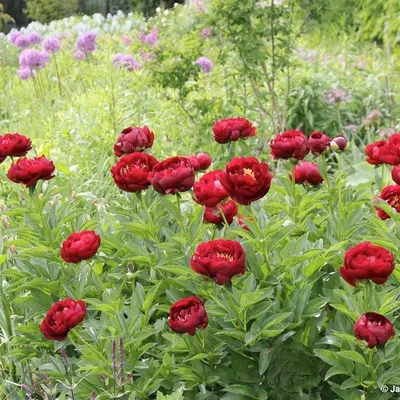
[{"x": 353, "y": 356}]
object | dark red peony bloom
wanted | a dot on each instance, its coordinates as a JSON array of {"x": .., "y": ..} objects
[
  {"x": 62, "y": 317},
  {"x": 187, "y": 315},
  {"x": 208, "y": 190},
  {"x": 132, "y": 172},
  {"x": 367, "y": 261},
  {"x": 80, "y": 246},
  {"x": 307, "y": 173},
  {"x": 391, "y": 194},
  {"x": 14, "y": 145},
  {"x": 396, "y": 174},
  {"x": 213, "y": 215},
  {"x": 133, "y": 139},
  {"x": 289, "y": 144},
  {"x": 374, "y": 328},
  {"x": 200, "y": 161},
  {"x": 232, "y": 129},
  {"x": 318, "y": 142},
  {"x": 173, "y": 175},
  {"x": 339, "y": 143},
  {"x": 242, "y": 222},
  {"x": 373, "y": 152},
  {"x": 219, "y": 259},
  {"x": 29, "y": 171},
  {"x": 246, "y": 179}
]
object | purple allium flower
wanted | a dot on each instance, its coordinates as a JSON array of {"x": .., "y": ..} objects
[
  {"x": 206, "y": 32},
  {"x": 126, "y": 61},
  {"x": 25, "y": 73},
  {"x": 150, "y": 39},
  {"x": 80, "y": 55},
  {"x": 126, "y": 40},
  {"x": 385, "y": 133},
  {"x": 34, "y": 38},
  {"x": 205, "y": 64},
  {"x": 352, "y": 128},
  {"x": 199, "y": 6},
  {"x": 87, "y": 42},
  {"x": 374, "y": 115},
  {"x": 33, "y": 59},
  {"x": 145, "y": 56},
  {"x": 334, "y": 96},
  {"x": 13, "y": 36},
  {"x": 22, "y": 42},
  {"x": 52, "y": 45}
]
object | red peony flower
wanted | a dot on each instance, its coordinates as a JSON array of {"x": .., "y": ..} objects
[
  {"x": 133, "y": 139},
  {"x": 232, "y": 129},
  {"x": 318, "y": 142},
  {"x": 80, "y": 246},
  {"x": 339, "y": 143},
  {"x": 391, "y": 194},
  {"x": 373, "y": 152},
  {"x": 200, "y": 161},
  {"x": 132, "y": 172},
  {"x": 396, "y": 174},
  {"x": 62, "y": 317},
  {"x": 187, "y": 315},
  {"x": 14, "y": 145},
  {"x": 290, "y": 144},
  {"x": 213, "y": 215},
  {"x": 307, "y": 173},
  {"x": 29, "y": 171},
  {"x": 208, "y": 190},
  {"x": 374, "y": 328},
  {"x": 175, "y": 174},
  {"x": 367, "y": 261},
  {"x": 219, "y": 259},
  {"x": 246, "y": 179}
]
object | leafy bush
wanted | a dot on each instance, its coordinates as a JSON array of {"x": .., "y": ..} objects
[{"x": 48, "y": 10}]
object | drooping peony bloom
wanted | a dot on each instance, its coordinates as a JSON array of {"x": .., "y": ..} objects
[
  {"x": 29, "y": 171},
  {"x": 80, "y": 246},
  {"x": 318, "y": 142},
  {"x": 62, "y": 317},
  {"x": 208, "y": 190},
  {"x": 246, "y": 179},
  {"x": 132, "y": 172},
  {"x": 289, "y": 144},
  {"x": 173, "y": 175},
  {"x": 391, "y": 194},
  {"x": 374, "y": 328},
  {"x": 187, "y": 315},
  {"x": 367, "y": 261},
  {"x": 219, "y": 259},
  {"x": 213, "y": 215},
  {"x": 307, "y": 173},
  {"x": 233, "y": 129}
]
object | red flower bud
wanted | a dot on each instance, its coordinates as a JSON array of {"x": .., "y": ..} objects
[
  {"x": 200, "y": 161},
  {"x": 62, "y": 317},
  {"x": 233, "y": 129},
  {"x": 213, "y": 215},
  {"x": 80, "y": 246},
  {"x": 187, "y": 315},
  {"x": 374, "y": 328},
  {"x": 367, "y": 261},
  {"x": 29, "y": 171},
  {"x": 133, "y": 139},
  {"x": 290, "y": 144},
  {"x": 175, "y": 174},
  {"x": 132, "y": 172},
  {"x": 307, "y": 173},
  {"x": 339, "y": 143},
  {"x": 219, "y": 259},
  {"x": 208, "y": 190},
  {"x": 318, "y": 142}
]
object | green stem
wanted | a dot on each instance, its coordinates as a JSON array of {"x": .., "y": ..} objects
[
  {"x": 371, "y": 364},
  {"x": 221, "y": 212},
  {"x": 339, "y": 186},
  {"x": 294, "y": 195},
  {"x": 58, "y": 75}
]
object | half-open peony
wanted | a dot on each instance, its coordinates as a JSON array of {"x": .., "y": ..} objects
[{"x": 80, "y": 246}]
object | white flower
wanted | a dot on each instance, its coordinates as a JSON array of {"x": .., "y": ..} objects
[
  {"x": 166, "y": 12},
  {"x": 158, "y": 10}
]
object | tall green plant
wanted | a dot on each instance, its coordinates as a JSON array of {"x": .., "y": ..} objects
[{"x": 48, "y": 10}]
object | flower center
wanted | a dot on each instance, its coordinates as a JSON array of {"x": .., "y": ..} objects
[
  {"x": 225, "y": 256},
  {"x": 250, "y": 172},
  {"x": 394, "y": 201}
]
